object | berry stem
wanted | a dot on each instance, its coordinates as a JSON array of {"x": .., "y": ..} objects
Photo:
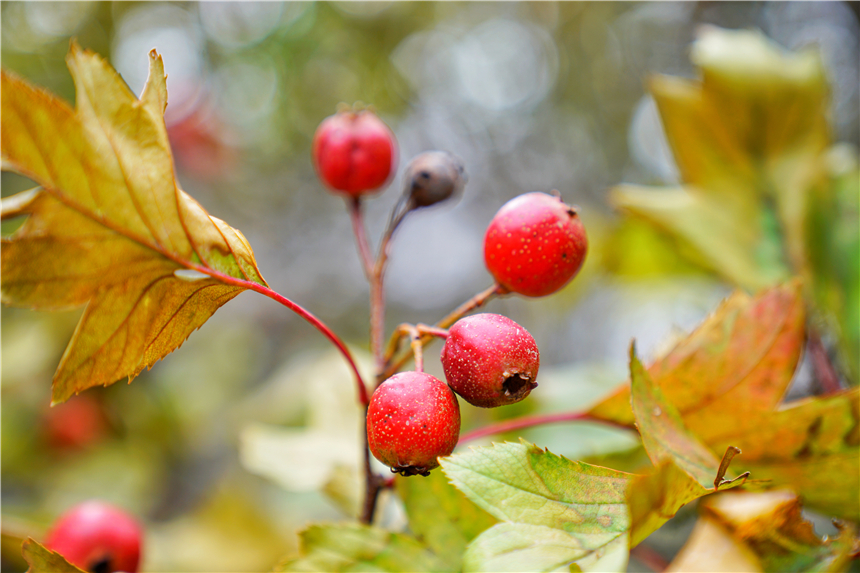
[
  {"x": 358, "y": 229},
  {"x": 302, "y": 312},
  {"x": 531, "y": 421},
  {"x": 393, "y": 366}
]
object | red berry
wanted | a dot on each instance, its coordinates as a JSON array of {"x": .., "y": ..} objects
[
  {"x": 75, "y": 424},
  {"x": 535, "y": 244},
  {"x": 490, "y": 360},
  {"x": 96, "y": 536},
  {"x": 354, "y": 152},
  {"x": 413, "y": 418}
]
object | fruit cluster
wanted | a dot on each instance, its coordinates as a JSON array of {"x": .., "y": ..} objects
[{"x": 533, "y": 246}]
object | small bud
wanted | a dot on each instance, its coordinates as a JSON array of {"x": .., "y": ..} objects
[{"x": 434, "y": 176}]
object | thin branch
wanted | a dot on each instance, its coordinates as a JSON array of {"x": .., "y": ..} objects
[
  {"x": 372, "y": 483},
  {"x": 650, "y": 558},
  {"x": 360, "y": 233},
  {"x": 825, "y": 373},
  {"x": 302, "y": 312},
  {"x": 393, "y": 366},
  {"x": 532, "y": 421}
]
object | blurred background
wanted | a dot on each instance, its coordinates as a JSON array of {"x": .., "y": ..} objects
[{"x": 227, "y": 447}]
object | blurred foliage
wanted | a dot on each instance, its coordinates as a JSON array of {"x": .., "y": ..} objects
[
  {"x": 762, "y": 198},
  {"x": 533, "y": 96}
]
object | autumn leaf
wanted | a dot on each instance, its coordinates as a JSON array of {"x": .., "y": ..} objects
[
  {"x": 763, "y": 531},
  {"x": 727, "y": 380},
  {"x": 763, "y": 192},
  {"x": 685, "y": 468},
  {"x": 554, "y": 511},
  {"x": 108, "y": 227},
  {"x": 357, "y": 547},
  {"x": 740, "y": 359},
  {"x": 43, "y": 560}
]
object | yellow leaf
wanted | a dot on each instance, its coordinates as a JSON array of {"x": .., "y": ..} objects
[
  {"x": 108, "y": 226},
  {"x": 718, "y": 228},
  {"x": 749, "y": 139},
  {"x": 772, "y": 526},
  {"x": 711, "y": 548},
  {"x": 43, "y": 560}
]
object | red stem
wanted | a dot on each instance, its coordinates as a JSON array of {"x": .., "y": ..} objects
[
  {"x": 825, "y": 373},
  {"x": 650, "y": 558},
  {"x": 302, "y": 312},
  {"x": 360, "y": 236},
  {"x": 531, "y": 421}
]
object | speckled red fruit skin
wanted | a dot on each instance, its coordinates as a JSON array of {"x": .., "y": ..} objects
[
  {"x": 487, "y": 354},
  {"x": 95, "y": 532},
  {"x": 413, "y": 418},
  {"x": 354, "y": 152},
  {"x": 535, "y": 244}
]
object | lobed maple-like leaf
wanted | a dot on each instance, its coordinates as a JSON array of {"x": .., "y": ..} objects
[
  {"x": 43, "y": 560},
  {"x": 727, "y": 380},
  {"x": 739, "y": 360},
  {"x": 108, "y": 227}
]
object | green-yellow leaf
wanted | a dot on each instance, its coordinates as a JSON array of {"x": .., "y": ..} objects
[
  {"x": 356, "y": 547},
  {"x": 441, "y": 516},
  {"x": 686, "y": 468},
  {"x": 524, "y": 547},
  {"x": 108, "y": 226},
  {"x": 655, "y": 498},
  {"x": 663, "y": 432},
  {"x": 583, "y": 505},
  {"x": 720, "y": 233},
  {"x": 43, "y": 560}
]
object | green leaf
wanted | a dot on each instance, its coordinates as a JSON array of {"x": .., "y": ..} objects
[
  {"x": 356, "y": 547},
  {"x": 718, "y": 234},
  {"x": 43, "y": 560},
  {"x": 109, "y": 228},
  {"x": 581, "y": 504},
  {"x": 441, "y": 516},
  {"x": 524, "y": 547}
]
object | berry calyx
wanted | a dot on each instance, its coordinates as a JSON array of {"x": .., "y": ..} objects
[
  {"x": 98, "y": 537},
  {"x": 432, "y": 177},
  {"x": 413, "y": 418},
  {"x": 354, "y": 152},
  {"x": 535, "y": 244},
  {"x": 490, "y": 360}
]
